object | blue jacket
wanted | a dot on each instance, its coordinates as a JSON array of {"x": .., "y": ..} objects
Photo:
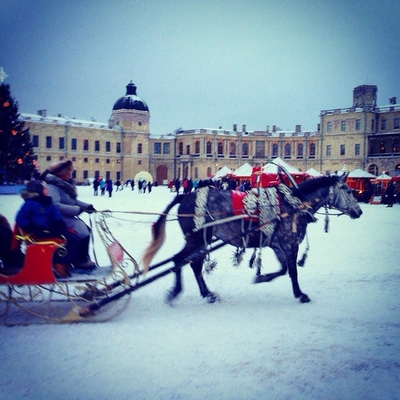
[{"x": 39, "y": 216}]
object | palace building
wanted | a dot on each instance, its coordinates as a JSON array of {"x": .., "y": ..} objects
[{"x": 364, "y": 136}]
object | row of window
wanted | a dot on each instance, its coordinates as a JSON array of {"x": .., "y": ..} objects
[
  {"x": 357, "y": 149},
  {"x": 259, "y": 149},
  {"x": 396, "y": 123},
  {"x": 86, "y": 160},
  {"x": 349, "y": 123},
  {"x": 85, "y": 144},
  {"x": 384, "y": 147}
]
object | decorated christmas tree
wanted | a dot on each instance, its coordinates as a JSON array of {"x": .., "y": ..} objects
[{"x": 17, "y": 161}]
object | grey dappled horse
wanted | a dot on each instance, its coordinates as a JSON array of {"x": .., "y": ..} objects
[{"x": 200, "y": 212}]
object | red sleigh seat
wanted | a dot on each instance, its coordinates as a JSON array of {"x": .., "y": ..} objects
[{"x": 38, "y": 263}]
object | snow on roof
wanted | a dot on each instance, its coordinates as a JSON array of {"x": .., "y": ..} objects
[
  {"x": 272, "y": 167},
  {"x": 313, "y": 172},
  {"x": 359, "y": 173},
  {"x": 63, "y": 121},
  {"x": 383, "y": 177},
  {"x": 222, "y": 172},
  {"x": 244, "y": 170}
]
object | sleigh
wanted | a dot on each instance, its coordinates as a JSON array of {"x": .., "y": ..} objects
[{"x": 34, "y": 293}]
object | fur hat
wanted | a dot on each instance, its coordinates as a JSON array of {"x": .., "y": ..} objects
[
  {"x": 60, "y": 167},
  {"x": 35, "y": 186}
]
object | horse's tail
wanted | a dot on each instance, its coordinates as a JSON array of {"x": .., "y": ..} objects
[{"x": 158, "y": 234}]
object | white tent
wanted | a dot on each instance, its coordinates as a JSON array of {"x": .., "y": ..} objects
[
  {"x": 222, "y": 173},
  {"x": 313, "y": 172},
  {"x": 383, "y": 177},
  {"x": 359, "y": 173},
  {"x": 244, "y": 171},
  {"x": 272, "y": 167}
]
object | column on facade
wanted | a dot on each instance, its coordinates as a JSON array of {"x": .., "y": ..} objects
[{"x": 181, "y": 167}]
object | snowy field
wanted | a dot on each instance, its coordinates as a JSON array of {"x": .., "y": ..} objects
[{"x": 257, "y": 343}]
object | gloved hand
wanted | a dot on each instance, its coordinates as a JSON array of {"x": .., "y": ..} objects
[{"x": 90, "y": 209}]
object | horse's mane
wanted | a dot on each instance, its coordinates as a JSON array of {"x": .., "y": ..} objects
[{"x": 314, "y": 184}]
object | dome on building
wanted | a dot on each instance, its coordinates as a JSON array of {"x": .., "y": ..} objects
[{"x": 130, "y": 101}]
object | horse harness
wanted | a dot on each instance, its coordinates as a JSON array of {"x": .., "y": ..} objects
[{"x": 260, "y": 206}]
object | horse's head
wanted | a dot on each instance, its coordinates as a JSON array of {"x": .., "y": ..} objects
[{"x": 341, "y": 198}]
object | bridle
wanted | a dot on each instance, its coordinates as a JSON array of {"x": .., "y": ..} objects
[
  {"x": 329, "y": 206},
  {"x": 330, "y": 203}
]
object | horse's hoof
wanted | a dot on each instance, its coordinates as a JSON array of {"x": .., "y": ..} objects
[
  {"x": 262, "y": 278},
  {"x": 304, "y": 299},
  {"x": 170, "y": 297},
  {"x": 212, "y": 298}
]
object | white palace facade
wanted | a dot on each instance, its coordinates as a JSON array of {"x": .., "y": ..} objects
[{"x": 364, "y": 135}]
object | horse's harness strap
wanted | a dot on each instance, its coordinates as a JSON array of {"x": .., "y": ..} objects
[{"x": 223, "y": 220}]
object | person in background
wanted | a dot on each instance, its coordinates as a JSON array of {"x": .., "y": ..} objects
[
  {"x": 65, "y": 198},
  {"x": 109, "y": 187},
  {"x": 96, "y": 184},
  {"x": 177, "y": 184},
  {"x": 102, "y": 186},
  {"x": 390, "y": 194}
]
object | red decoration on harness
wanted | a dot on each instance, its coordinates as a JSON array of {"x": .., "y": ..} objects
[{"x": 237, "y": 204}]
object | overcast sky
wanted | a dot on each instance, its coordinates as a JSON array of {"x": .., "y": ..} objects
[{"x": 200, "y": 64}]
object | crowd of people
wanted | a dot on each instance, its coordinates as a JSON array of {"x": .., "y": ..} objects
[
  {"x": 107, "y": 185},
  {"x": 188, "y": 185}
]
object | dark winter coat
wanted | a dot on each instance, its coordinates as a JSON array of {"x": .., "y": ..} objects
[
  {"x": 11, "y": 258},
  {"x": 64, "y": 195},
  {"x": 39, "y": 216}
]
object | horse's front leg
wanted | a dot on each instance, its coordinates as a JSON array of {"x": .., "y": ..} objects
[
  {"x": 281, "y": 256},
  {"x": 177, "y": 289},
  {"x": 197, "y": 267},
  {"x": 292, "y": 267},
  {"x": 180, "y": 259}
]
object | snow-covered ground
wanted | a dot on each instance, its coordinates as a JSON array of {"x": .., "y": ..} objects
[{"x": 257, "y": 343}]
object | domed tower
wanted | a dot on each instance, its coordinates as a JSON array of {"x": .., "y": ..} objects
[
  {"x": 130, "y": 112},
  {"x": 129, "y": 122}
]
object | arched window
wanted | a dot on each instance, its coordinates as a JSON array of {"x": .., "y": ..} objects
[
  {"x": 274, "y": 150},
  {"x": 197, "y": 147},
  {"x": 196, "y": 173},
  {"x": 232, "y": 149},
  {"x": 180, "y": 148},
  {"x": 245, "y": 150},
  {"x": 220, "y": 148},
  {"x": 208, "y": 171},
  {"x": 300, "y": 150},
  {"x": 287, "y": 150},
  {"x": 208, "y": 148},
  {"x": 312, "y": 150}
]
